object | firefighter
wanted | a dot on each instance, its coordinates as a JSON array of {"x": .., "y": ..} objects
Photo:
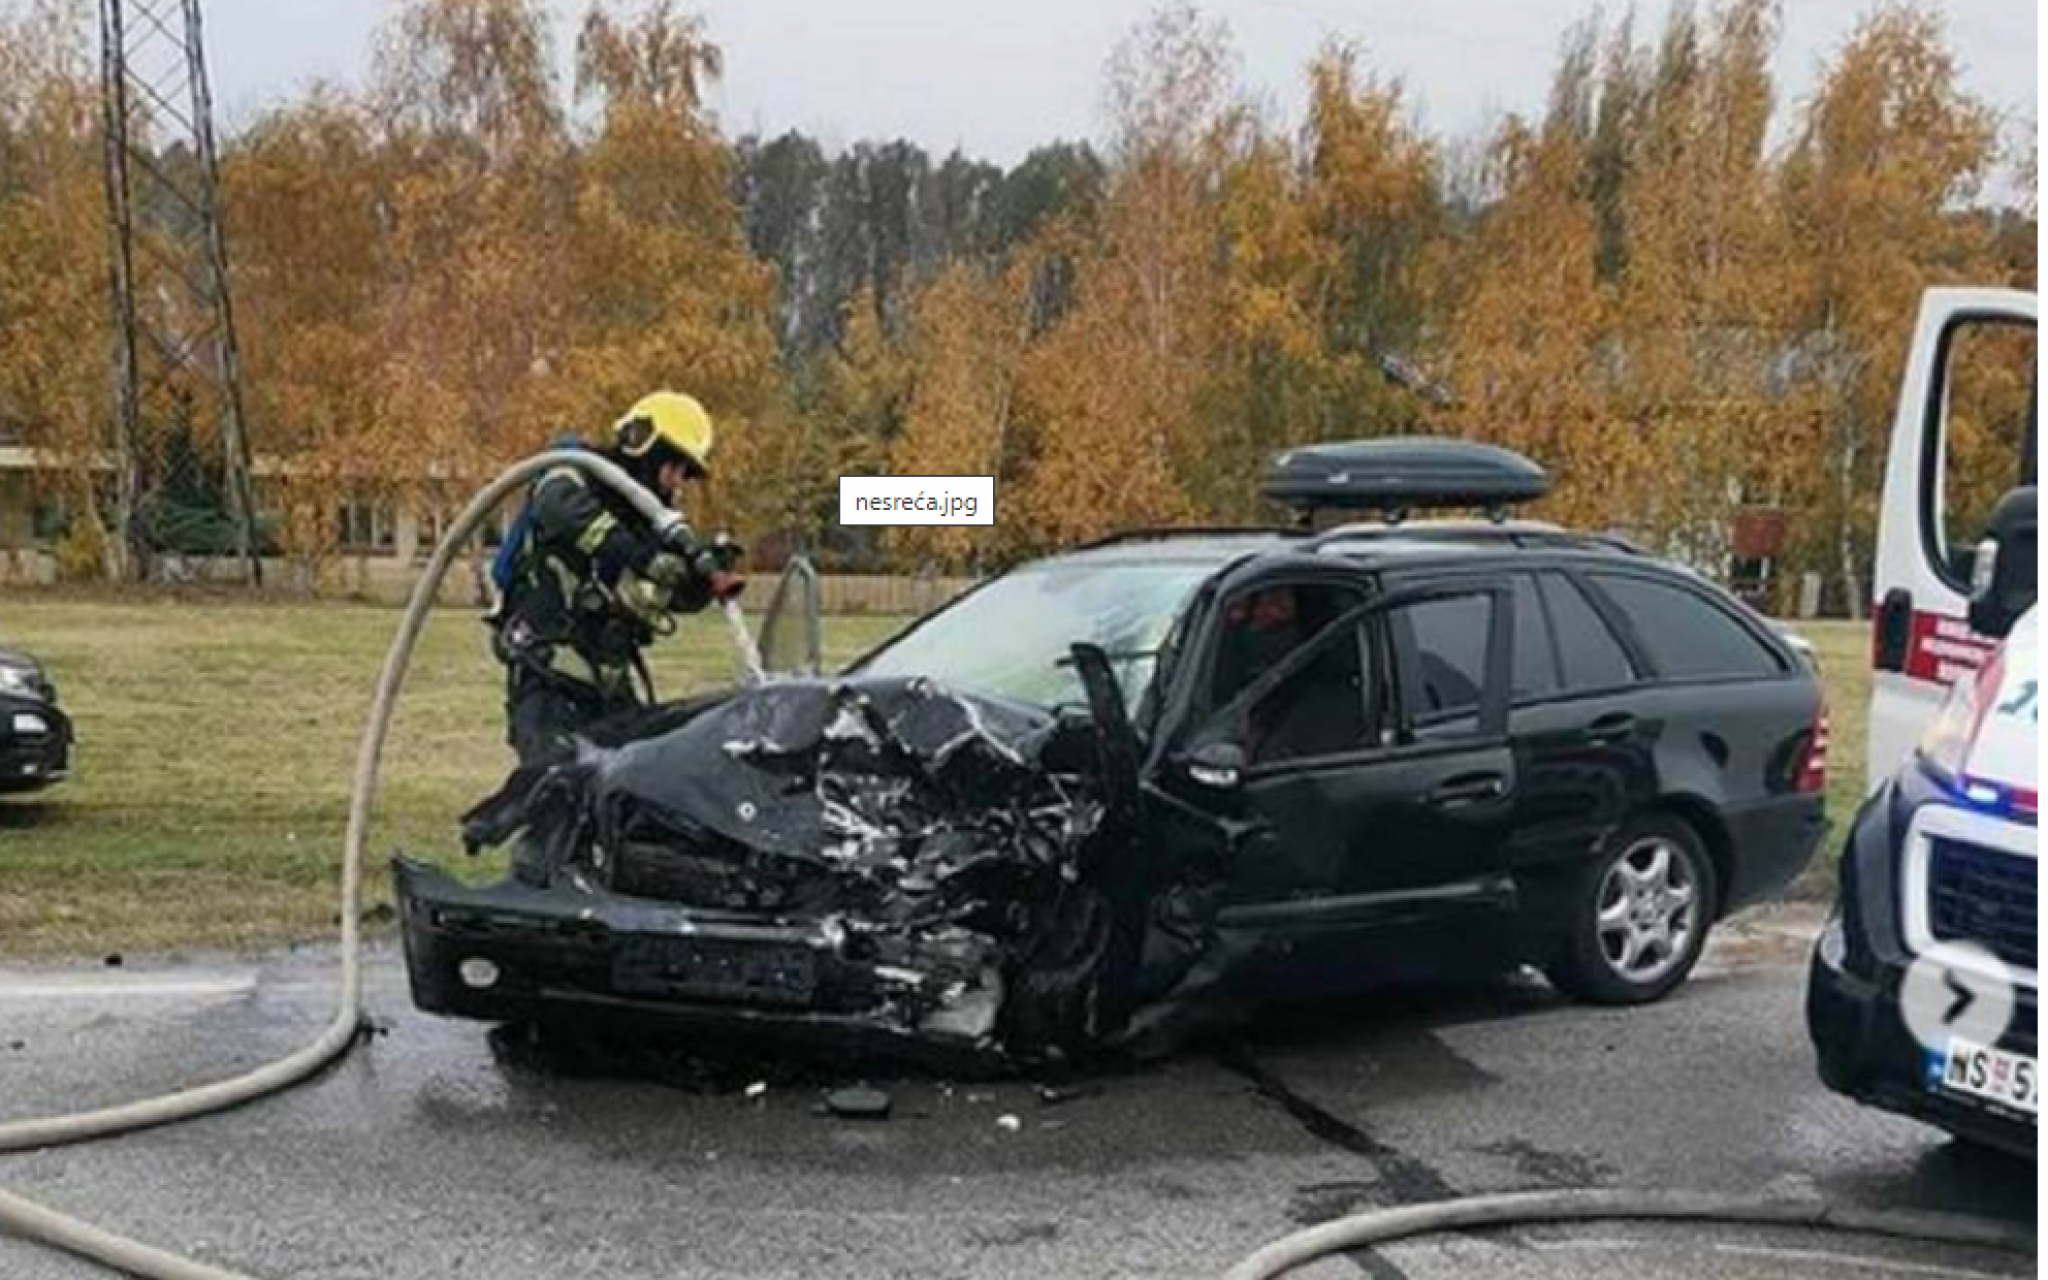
[{"x": 585, "y": 584}]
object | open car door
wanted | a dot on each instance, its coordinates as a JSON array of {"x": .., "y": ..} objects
[{"x": 1965, "y": 434}]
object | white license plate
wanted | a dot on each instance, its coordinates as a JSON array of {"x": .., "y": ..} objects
[{"x": 1980, "y": 1071}]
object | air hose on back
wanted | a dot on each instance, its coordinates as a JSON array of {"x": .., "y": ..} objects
[{"x": 29, "y": 1220}]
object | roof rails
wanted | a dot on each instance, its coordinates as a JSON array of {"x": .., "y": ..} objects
[{"x": 1522, "y": 533}]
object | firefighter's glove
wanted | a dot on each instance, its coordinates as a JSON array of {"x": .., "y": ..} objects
[{"x": 719, "y": 559}]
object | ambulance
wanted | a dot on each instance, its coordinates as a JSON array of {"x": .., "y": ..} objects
[{"x": 1924, "y": 984}]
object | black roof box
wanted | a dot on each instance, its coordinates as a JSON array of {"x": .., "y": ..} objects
[{"x": 1400, "y": 474}]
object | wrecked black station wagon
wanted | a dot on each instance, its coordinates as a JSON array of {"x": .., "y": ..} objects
[{"x": 1167, "y": 776}]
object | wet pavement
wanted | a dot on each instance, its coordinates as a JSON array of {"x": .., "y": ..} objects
[{"x": 437, "y": 1150}]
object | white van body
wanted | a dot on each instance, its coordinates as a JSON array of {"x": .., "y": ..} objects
[{"x": 1917, "y": 592}]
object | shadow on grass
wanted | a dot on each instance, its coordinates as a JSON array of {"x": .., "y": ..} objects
[{"x": 30, "y": 813}]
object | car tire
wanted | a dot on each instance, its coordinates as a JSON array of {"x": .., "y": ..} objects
[{"x": 1637, "y": 915}]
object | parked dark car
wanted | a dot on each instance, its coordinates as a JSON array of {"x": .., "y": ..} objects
[
  {"x": 1173, "y": 773},
  {"x": 35, "y": 737}
]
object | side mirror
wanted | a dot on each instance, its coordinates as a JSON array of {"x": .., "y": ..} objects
[
  {"x": 2004, "y": 576},
  {"x": 1218, "y": 765}
]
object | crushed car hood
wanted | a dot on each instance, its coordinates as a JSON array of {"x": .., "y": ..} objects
[
  {"x": 940, "y": 841},
  {"x": 902, "y": 782}
]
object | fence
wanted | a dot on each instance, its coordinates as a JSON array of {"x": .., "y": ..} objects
[{"x": 388, "y": 580}]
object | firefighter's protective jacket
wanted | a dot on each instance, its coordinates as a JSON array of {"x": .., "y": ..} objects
[{"x": 581, "y": 585}]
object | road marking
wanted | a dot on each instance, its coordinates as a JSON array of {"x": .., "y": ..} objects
[{"x": 125, "y": 988}]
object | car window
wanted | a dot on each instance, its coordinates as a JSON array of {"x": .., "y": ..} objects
[
  {"x": 1317, "y": 711},
  {"x": 1684, "y": 635},
  {"x": 1535, "y": 655},
  {"x": 1589, "y": 654},
  {"x": 1013, "y": 638},
  {"x": 1986, "y": 432},
  {"x": 1442, "y": 644},
  {"x": 1260, "y": 627}
]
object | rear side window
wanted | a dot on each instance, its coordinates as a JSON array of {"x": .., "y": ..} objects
[
  {"x": 1591, "y": 657},
  {"x": 1985, "y": 434},
  {"x": 1445, "y": 674},
  {"x": 1684, "y": 635}
]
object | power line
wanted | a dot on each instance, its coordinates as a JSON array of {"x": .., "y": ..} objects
[{"x": 177, "y": 367}]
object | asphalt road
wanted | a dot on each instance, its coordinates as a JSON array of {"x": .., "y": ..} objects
[{"x": 437, "y": 1151}]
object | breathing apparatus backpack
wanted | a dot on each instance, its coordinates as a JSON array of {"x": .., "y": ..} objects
[{"x": 505, "y": 564}]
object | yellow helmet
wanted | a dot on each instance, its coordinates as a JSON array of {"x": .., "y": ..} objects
[{"x": 666, "y": 418}]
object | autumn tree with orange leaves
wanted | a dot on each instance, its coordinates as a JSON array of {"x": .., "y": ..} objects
[
  {"x": 1876, "y": 190},
  {"x": 968, "y": 337},
  {"x": 54, "y": 331},
  {"x": 1683, "y": 295}
]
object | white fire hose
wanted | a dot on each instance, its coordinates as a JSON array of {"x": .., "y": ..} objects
[
  {"x": 751, "y": 667},
  {"x": 31, "y": 1221}
]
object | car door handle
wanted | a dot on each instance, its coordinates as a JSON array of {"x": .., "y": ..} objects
[
  {"x": 1468, "y": 789},
  {"x": 1613, "y": 727}
]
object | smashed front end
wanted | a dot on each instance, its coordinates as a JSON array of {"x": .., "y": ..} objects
[{"x": 887, "y": 864}]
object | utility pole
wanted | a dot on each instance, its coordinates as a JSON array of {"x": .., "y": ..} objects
[{"x": 179, "y": 422}]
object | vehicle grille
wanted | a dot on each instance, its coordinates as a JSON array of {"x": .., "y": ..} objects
[
  {"x": 1986, "y": 896},
  {"x": 708, "y": 873}
]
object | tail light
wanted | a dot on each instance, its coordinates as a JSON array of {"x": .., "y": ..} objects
[{"x": 1812, "y": 775}]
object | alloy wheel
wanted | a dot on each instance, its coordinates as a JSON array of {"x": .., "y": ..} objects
[{"x": 1649, "y": 910}]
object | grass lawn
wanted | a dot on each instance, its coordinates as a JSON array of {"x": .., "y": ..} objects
[
  {"x": 1844, "y": 649},
  {"x": 209, "y": 788},
  {"x": 210, "y": 784}
]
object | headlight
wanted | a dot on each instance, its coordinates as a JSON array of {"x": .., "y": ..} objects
[
  {"x": 1945, "y": 747},
  {"x": 30, "y": 724},
  {"x": 18, "y": 680}
]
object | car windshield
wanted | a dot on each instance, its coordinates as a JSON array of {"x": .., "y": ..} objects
[{"x": 1013, "y": 637}]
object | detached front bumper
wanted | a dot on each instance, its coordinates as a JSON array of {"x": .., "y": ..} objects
[
  {"x": 35, "y": 745},
  {"x": 510, "y": 952},
  {"x": 1853, "y": 1017}
]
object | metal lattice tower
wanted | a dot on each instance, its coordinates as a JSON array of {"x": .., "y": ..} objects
[{"x": 181, "y": 437}]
